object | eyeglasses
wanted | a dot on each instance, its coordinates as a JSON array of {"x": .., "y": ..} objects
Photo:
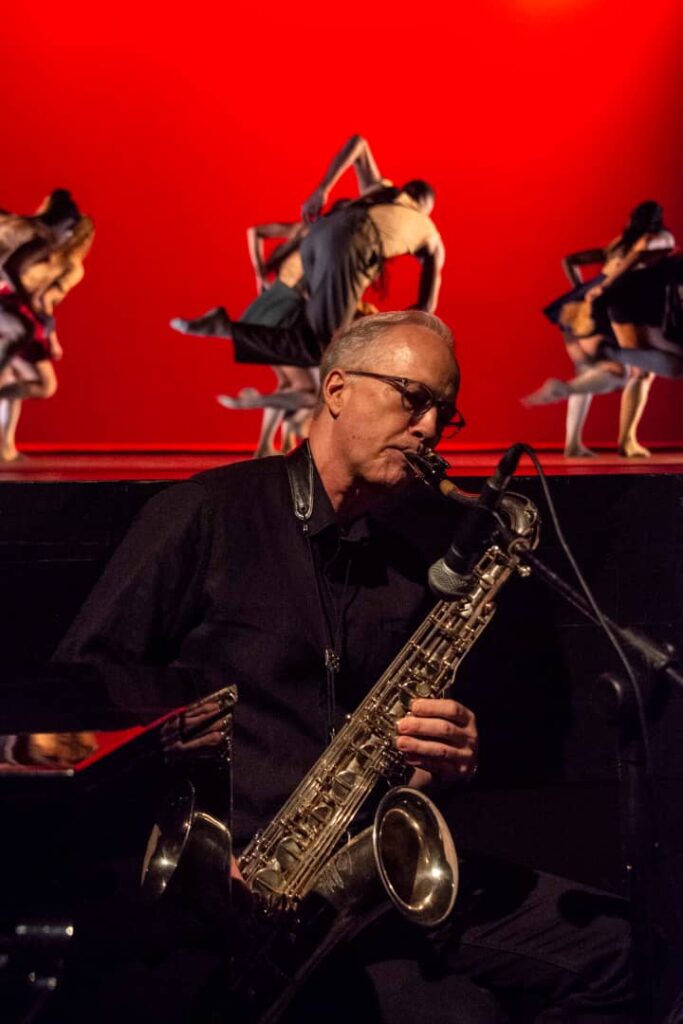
[{"x": 418, "y": 399}]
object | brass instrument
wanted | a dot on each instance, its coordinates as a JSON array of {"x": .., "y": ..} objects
[{"x": 300, "y": 862}]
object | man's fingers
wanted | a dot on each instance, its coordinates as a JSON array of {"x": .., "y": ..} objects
[
  {"x": 441, "y": 707},
  {"x": 435, "y": 728}
]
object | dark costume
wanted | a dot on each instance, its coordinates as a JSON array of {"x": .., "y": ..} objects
[
  {"x": 342, "y": 255},
  {"x": 33, "y": 345},
  {"x": 648, "y": 294},
  {"x": 569, "y": 312},
  {"x": 218, "y": 577}
]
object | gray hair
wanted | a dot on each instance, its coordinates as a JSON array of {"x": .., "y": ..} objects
[{"x": 355, "y": 346}]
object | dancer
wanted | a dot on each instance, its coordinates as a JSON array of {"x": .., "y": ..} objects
[
  {"x": 341, "y": 254},
  {"x": 279, "y": 300},
  {"x": 42, "y": 260},
  {"x": 601, "y": 350},
  {"x": 280, "y": 303}
]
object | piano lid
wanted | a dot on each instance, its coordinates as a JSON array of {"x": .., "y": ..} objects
[{"x": 200, "y": 728}]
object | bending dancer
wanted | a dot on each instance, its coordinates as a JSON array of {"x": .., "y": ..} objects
[
  {"x": 596, "y": 343},
  {"x": 198, "y": 584},
  {"x": 342, "y": 254},
  {"x": 280, "y": 304},
  {"x": 41, "y": 260}
]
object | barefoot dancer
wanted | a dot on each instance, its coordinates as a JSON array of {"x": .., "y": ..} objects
[
  {"x": 280, "y": 303},
  {"x": 39, "y": 271},
  {"x": 597, "y": 344},
  {"x": 342, "y": 254}
]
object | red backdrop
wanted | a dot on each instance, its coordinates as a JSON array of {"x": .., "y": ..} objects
[{"x": 540, "y": 123}]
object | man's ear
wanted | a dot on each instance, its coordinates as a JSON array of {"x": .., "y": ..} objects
[{"x": 333, "y": 389}]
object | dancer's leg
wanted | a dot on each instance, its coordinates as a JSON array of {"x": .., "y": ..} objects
[
  {"x": 270, "y": 421},
  {"x": 633, "y": 402},
  {"x": 250, "y": 398},
  {"x": 577, "y": 411},
  {"x": 10, "y": 411},
  {"x": 598, "y": 380},
  {"x": 213, "y": 324},
  {"x": 646, "y": 348},
  {"x": 295, "y": 428},
  {"x": 43, "y": 385}
]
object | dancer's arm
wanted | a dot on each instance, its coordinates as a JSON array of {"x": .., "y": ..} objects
[
  {"x": 355, "y": 152},
  {"x": 432, "y": 258},
  {"x": 22, "y": 257},
  {"x": 624, "y": 265},
  {"x": 572, "y": 262},
  {"x": 256, "y": 237}
]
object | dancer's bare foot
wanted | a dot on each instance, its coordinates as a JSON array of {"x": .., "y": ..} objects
[
  {"x": 579, "y": 451},
  {"x": 553, "y": 390},
  {"x": 633, "y": 450},
  {"x": 248, "y": 398},
  {"x": 287, "y": 401},
  {"x": 213, "y": 324},
  {"x": 11, "y": 454}
]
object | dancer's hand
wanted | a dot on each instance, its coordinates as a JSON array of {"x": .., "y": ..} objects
[
  {"x": 312, "y": 207},
  {"x": 594, "y": 293}
]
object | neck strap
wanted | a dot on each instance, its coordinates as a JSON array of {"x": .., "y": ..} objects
[{"x": 299, "y": 465}]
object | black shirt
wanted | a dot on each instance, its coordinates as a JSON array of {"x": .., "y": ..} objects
[{"x": 217, "y": 574}]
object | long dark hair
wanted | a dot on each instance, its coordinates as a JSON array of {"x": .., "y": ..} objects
[
  {"x": 60, "y": 207},
  {"x": 647, "y": 218}
]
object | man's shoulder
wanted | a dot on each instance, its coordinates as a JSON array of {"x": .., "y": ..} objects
[{"x": 238, "y": 478}]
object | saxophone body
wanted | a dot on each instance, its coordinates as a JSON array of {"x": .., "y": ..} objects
[{"x": 307, "y": 876}]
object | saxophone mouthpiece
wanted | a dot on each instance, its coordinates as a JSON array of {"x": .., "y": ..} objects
[
  {"x": 431, "y": 469},
  {"x": 427, "y": 466}
]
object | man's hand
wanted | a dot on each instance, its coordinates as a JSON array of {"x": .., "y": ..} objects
[{"x": 439, "y": 736}]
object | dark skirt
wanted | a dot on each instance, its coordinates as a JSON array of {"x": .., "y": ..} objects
[
  {"x": 274, "y": 330},
  {"x": 341, "y": 254},
  {"x": 277, "y": 306},
  {"x": 578, "y": 318},
  {"x": 33, "y": 346},
  {"x": 647, "y": 296}
]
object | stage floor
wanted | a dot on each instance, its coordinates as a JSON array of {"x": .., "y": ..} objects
[{"x": 178, "y": 466}]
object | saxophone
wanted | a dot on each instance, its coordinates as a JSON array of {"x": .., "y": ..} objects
[{"x": 300, "y": 869}]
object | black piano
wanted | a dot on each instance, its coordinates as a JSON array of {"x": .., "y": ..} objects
[{"x": 111, "y": 790}]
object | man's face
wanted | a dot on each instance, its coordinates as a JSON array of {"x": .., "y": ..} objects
[{"x": 372, "y": 427}]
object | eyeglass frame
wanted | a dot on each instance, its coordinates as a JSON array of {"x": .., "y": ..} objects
[{"x": 456, "y": 423}]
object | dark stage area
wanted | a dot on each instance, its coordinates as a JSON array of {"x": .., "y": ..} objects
[{"x": 547, "y": 793}]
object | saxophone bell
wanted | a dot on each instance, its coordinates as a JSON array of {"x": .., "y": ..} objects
[
  {"x": 407, "y": 855},
  {"x": 415, "y": 855}
]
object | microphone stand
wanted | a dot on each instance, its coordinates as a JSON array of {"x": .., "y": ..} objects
[{"x": 619, "y": 703}]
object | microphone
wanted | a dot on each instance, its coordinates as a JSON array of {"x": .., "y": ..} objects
[{"x": 452, "y": 574}]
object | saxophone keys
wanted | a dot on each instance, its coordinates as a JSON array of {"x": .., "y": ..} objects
[
  {"x": 322, "y": 813},
  {"x": 343, "y": 782},
  {"x": 268, "y": 880},
  {"x": 288, "y": 852}
]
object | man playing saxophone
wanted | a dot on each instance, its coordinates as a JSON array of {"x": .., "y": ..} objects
[{"x": 226, "y": 575}]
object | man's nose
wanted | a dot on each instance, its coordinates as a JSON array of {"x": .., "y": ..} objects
[{"x": 426, "y": 426}]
